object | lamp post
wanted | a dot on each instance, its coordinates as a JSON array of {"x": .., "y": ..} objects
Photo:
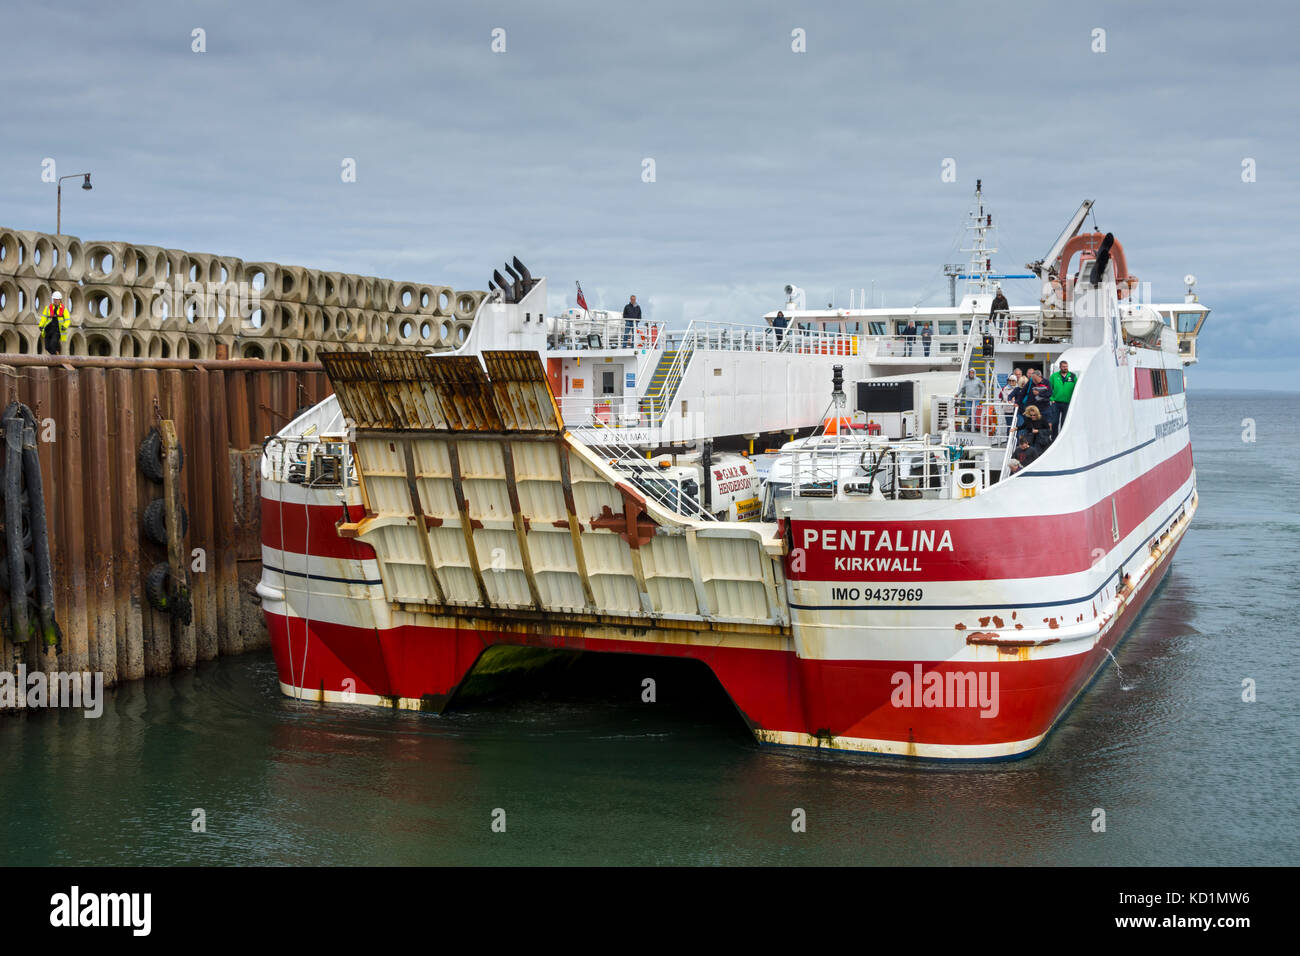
[{"x": 58, "y": 215}]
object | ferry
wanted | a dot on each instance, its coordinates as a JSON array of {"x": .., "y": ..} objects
[{"x": 901, "y": 588}]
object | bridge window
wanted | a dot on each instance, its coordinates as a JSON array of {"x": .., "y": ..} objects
[
  {"x": 1157, "y": 382},
  {"x": 1188, "y": 321}
]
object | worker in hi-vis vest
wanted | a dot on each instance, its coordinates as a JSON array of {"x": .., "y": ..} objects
[{"x": 54, "y": 326}]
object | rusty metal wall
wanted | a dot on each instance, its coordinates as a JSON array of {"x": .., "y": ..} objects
[{"x": 94, "y": 414}]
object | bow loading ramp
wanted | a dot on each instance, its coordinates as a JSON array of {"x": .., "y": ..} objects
[{"x": 491, "y": 525}]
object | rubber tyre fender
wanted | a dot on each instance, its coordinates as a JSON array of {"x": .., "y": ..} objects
[
  {"x": 157, "y": 591},
  {"x": 155, "y": 586},
  {"x": 155, "y": 522},
  {"x": 150, "y": 456}
]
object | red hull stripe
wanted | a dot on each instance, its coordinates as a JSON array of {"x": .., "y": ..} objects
[
  {"x": 324, "y": 541},
  {"x": 1170, "y": 516},
  {"x": 980, "y": 549}
]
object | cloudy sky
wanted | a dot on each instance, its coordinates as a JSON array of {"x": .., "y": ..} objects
[{"x": 821, "y": 167}]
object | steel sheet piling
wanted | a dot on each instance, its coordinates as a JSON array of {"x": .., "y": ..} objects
[
  {"x": 157, "y": 624},
  {"x": 92, "y": 416},
  {"x": 128, "y": 598},
  {"x": 204, "y": 488},
  {"x": 99, "y": 488},
  {"x": 70, "y": 586},
  {"x": 222, "y": 563}
]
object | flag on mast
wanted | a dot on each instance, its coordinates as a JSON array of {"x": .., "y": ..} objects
[{"x": 582, "y": 300}]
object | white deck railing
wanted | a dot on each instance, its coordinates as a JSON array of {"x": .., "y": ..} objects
[
  {"x": 937, "y": 346},
  {"x": 578, "y": 333},
  {"x": 611, "y": 411},
  {"x": 894, "y": 470}
]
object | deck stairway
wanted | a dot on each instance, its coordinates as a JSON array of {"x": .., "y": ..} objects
[
  {"x": 667, "y": 378},
  {"x": 976, "y": 359}
]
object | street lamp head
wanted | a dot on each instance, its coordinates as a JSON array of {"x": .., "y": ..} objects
[{"x": 85, "y": 183}]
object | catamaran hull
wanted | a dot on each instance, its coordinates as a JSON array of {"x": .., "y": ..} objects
[{"x": 331, "y": 648}]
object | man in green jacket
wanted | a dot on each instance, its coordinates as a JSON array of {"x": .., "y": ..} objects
[{"x": 1062, "y": 382}]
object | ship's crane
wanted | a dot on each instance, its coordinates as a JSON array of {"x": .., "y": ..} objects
[{"x": 1043, "y": 267}]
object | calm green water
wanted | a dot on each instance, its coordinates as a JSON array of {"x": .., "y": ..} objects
[{"x": 1186, "y": 772}]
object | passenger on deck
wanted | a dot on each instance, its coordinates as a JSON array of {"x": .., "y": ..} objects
[
  {"x": 1023, "y": 455},
  {"x": 1035, "y": 430},
  {"x": 927, "y": 333},
  {"x": 1039, "y": 393},
  {"x": 779, "y": 323},
  {"x": 909, "y": 336},
  {"x": 972, "y": 390},
  {"x": 998, "y": 312},
  {"x": 1022, "y": 399},
  {"x": 1062, "y": 382},
  {"x": 1010, "y": 395},
  {"x": 631, "y": 316}
]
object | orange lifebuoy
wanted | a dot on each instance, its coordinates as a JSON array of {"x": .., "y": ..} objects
[{"x": 986, "y": 420}]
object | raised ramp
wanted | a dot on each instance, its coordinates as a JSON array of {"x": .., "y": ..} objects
[{"x": 479, "y": 503}]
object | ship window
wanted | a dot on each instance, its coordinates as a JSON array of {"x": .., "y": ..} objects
[
  {"x": 948, "y": 327},
  {"x": 1188, "y": 321},
  {"x": 877, "y": 328},
  {"x": 1161, "y": 382}
]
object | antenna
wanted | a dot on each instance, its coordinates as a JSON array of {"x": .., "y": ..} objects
[{"x": 980, "y": 270}]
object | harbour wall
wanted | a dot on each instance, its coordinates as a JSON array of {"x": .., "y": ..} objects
[{"x": 93, "y": 414}]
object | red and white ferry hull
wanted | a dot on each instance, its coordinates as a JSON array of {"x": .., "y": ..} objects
[{"x": 947, "y": 629}]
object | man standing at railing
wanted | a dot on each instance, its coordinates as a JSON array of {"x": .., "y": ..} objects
[
  {"x": 972, "y": 390},
  {"x": 1063, "y": 382},
  {"x": 779, "y": 323},
  {"x": 909, "y": 337},
  {"x": 631, "y": 316},
  {"x": 927, "y": 334},
  {"x": 998, "y": 313}
]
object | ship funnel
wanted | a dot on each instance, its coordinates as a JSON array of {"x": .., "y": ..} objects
[
  {"x": 523, "y": 271},
  {"x": 518, "y": 284},
  {"x": 503, "y": 285}
]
